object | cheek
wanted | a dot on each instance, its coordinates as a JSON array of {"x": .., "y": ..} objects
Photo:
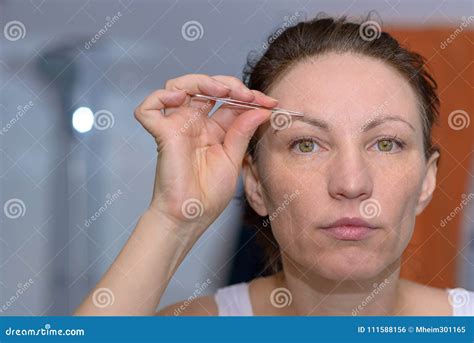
[
  {"x": 301, "y": 185},
  {"x": 397, "y": 187},
  {"x": 295, "y": 198},
  {"x": 287, "y": 199}
]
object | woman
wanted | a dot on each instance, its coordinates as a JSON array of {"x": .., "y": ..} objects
[{"x": 337, "y": 191}]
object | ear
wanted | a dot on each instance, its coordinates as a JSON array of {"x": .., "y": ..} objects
[
  {"x": 429, "y": 182},
  {"x": 252, "y": 185}
]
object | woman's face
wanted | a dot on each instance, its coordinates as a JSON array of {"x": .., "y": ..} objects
[{"x": 357, "y": 153}]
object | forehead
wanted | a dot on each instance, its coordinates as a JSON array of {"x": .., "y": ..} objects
[{"x": 346, "y": 86}]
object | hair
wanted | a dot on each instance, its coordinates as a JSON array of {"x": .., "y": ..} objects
[{"x": 316, "y": 37}]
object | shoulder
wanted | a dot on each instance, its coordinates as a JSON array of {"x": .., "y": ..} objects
[
  {"x": 207, "y": 305},
  {"x": 202, "y": 306},
  {"x": 426, "y": 300},
  {"x": 260, "y": 293}
]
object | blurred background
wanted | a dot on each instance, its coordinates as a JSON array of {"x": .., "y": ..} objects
[{"x": 76, "y": 169}]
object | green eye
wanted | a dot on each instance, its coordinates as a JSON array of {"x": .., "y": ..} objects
[
  {"x": 385, "y": 145},
  {"x": 306, "y": 145},
  {"x": 389, "y": 145}
]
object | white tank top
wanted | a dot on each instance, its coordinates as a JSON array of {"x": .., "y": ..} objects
[{"x": 234, "y": 300}]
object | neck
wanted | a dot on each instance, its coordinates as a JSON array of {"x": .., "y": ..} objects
[{"x": 315, "y": 295}]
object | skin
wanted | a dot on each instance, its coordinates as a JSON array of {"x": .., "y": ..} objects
[
  {"x": 351, "y": 161},
  {"x": 347, "y": 165}
]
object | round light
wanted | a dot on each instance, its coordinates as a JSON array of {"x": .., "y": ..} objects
[{"x": 82, "y": 119}]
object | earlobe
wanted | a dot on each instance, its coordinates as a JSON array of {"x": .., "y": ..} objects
[
  {"x": 429, "y": 182},
  {"x": 252, "y": 186}
]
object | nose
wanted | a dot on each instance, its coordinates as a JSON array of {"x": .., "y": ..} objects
[{"x": 350, "y": 176}]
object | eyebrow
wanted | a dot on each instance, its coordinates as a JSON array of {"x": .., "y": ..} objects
[
  {"x": 378, "y": 121},
  {"x": 311, "y": 121},
  {"x": 368, "y": 125}
]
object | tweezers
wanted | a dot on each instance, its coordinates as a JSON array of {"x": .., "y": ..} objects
[{"x": 244, "y": 104}]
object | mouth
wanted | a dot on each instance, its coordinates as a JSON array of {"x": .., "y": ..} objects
[{"x": 350, "y": 229}]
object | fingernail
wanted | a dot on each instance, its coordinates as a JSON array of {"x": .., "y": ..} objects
[
  {"x": 266, "y": 96},
  {"x": 176, "y": 92},
  {"x": 184, "y": 90},
  {"x": 248, "y": 91}
]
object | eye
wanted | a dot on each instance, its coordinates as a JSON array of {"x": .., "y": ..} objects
[
  {"x": 388, "y": 145},
  {"x": 305, "y": 145}
]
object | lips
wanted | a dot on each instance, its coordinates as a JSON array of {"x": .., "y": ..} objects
[{"x": 350, "y": 229}]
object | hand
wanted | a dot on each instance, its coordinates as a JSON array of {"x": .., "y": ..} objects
[{"x": 199, "y": 157}]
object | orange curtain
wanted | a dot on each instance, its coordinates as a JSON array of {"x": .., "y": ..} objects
[{"x": 432, "y": 256}]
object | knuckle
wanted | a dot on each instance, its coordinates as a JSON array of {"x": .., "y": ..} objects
[
  {"x": 169, "y": 83},
  {"x": 137, "y": 112},
  {"x": 199, "y": 75},
  {"x": 235, "y": 79},
  {"x": 232, "y": 79}
]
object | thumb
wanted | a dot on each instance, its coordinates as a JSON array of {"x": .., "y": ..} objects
[{"x": 238, "y": 135}]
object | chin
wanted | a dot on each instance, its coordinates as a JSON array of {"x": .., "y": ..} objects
[{"x": 351, "y": 263}]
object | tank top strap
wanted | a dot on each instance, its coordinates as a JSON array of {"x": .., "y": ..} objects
[
  {"x": 234, "y": 300},
  {"x": 462, "y": 301}
]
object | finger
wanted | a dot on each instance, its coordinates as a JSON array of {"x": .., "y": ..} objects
[
  {"x": 198, "y": 84},
  {"x": 240, "y": 132},
  {"x": 225, "y": 118},
  {"x": 265, "y": 100},
  {"x": 149, "y": 112},
  {"x": 162, "y": 99},
  {"x": 238, "y": 89}
]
